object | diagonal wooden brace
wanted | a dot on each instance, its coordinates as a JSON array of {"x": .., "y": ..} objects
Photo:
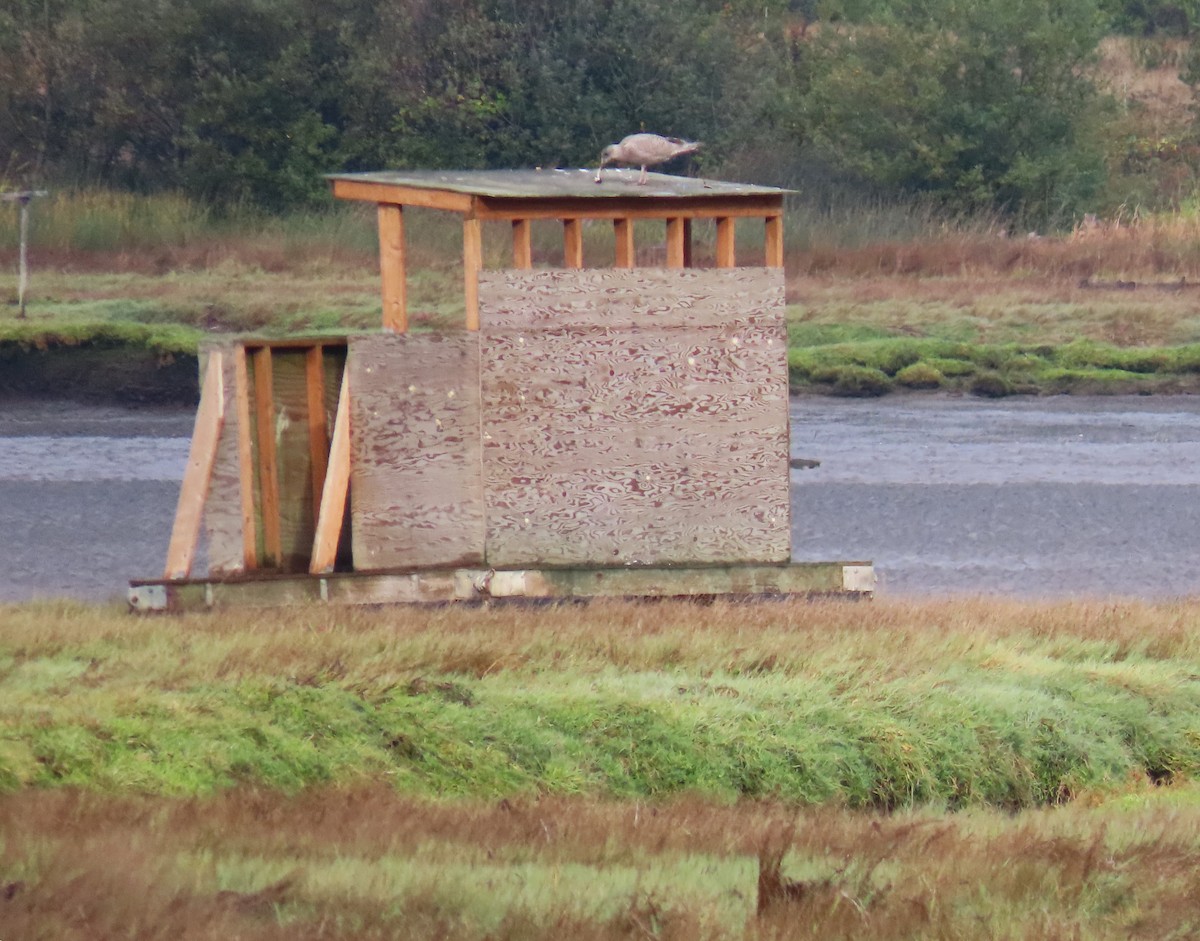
[{"x": 185, "y": 535}]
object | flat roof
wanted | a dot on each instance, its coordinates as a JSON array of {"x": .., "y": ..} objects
[{"x": 557, "y": 184}]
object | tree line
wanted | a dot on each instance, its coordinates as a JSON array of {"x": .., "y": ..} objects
[{"x": 977, "y": 104}]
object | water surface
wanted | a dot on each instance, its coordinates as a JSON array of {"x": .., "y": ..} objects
[{"x": 1030, "y": 497}]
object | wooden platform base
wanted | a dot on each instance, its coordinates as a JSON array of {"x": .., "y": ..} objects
[{"x": 851, "y": 579}]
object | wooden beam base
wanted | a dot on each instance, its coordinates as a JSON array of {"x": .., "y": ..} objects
[{"x": 429, "y": 586}]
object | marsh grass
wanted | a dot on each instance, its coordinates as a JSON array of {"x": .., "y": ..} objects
[
  {"x": 602, "y": 771},
  {"x": 881, "y": 706},
  {"x": 365, "y": 862},
  {"x": 874, "y": 290}
]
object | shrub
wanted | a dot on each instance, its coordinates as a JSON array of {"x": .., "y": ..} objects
[
  {"x": 854, "y": 381},
  {"x": 991, "y": 386},
  {"x": 920, "y": 376}
]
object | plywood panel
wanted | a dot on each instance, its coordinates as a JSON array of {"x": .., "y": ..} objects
[
  {"x": 223, "y": 509},
  {"x": 416, "y": 485},
  {"x": 634, "y": 417},
  {"x": 605, "y": 297}
]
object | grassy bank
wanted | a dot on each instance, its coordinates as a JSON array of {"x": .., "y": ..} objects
[
  {"x": 611, "y": 770},
  {"x": 882, "y": 706},
  {"x": 879, "y": 300}
]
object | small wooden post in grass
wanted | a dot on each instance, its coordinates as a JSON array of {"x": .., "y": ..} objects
[{"x": 22, "y": 198}]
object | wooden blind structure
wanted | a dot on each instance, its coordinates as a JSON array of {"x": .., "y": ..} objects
[
  {"x": 568, "y": 196},
  {"x": 588, "y": 424}
]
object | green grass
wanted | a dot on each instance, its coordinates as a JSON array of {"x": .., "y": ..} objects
[
  {"x": 819, "y": 360},
  {"x": 712, "y": 702},
  {"x": 932, "y": 770}
]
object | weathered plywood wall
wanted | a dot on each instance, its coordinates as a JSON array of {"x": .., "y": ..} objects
[
  {"x": 222, "y": 510},
  {"x": 634, "y": 416},
  {"x": 416, "y": 492}
]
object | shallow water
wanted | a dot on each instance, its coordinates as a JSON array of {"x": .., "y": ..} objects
[
  {"x": 1033, "y": 497},
  {"x": 1038, "y": 497}
]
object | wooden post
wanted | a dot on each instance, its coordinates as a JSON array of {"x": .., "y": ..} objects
[
  {"x": 268, "y": 465},
  {"x": 472, "y": 264},
  {"x": 572, "y": 243},
  {"x": 391, "y": 267},
  {"x": 318, "y": 433},
  {"x": 623, "y": 230},
  {"x": 22, "y": 199},
  {"x": 522, "y": 248},
  {"x": 23, "y": 261},
  {"x": 726, "y": 257},
  {"x": 687, "y": 243},
  {"x": 333, "y": 494},
  {"x": 241, "y": 398},
  {"x": 185, "y": 534},
  {"x": 675, "y": 242},
  {"x": 773, "y": 242}
]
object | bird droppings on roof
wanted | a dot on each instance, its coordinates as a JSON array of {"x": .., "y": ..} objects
[{"x": 557, "y": 183}]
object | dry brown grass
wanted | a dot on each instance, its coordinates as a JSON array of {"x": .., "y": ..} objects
[
  {"x": 310, "y": 642},
  {"x": 368, "y": 864},
  {"x": 1143, "y": 74}
]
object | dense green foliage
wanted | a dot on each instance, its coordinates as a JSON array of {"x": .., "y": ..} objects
[
  {"x": 984, "y": 104},
  {"x": 980, "y": 106}
]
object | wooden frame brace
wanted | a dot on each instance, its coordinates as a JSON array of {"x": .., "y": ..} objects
[{"x": 210, "y": 416}]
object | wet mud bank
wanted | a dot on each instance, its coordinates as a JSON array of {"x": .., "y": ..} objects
[{"x": 96, "y": 374}]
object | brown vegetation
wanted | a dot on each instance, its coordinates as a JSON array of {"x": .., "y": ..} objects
[{"x": 369, "y": 864}]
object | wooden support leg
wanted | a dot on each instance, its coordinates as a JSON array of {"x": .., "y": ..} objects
[
  {"x": 472, "y": 264},
  {"x": 725, "y": 242},
  {"x": 185, "y": 535},
  {"x": 573, "y": 243},
  {"x": 241, "y": 398},
  {"x": 687, "y": 243},
  {"x": 391, "y": 268},
  {"x": 623, "y": 230},
  {"x": 268, "y": 463},
  {"x": 675, "y": 241},
  {"x": 333, "y": 494},
  {"x": 773, "y": 242},
  {"x": 522, "y": 248}
]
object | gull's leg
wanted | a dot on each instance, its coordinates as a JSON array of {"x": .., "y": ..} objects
[{"x": 642, "y": 178}]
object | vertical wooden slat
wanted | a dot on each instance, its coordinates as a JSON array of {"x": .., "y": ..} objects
[
  {"x": 726, "y": 257},
  {"x": 318, "y": 433},
  {"x": 573, "y": 243},
  {"x": 774, "y": 242},
  {"x": 391, "y": 267},
  {"x": 675, "y": 250},
  {"x": 687, "y": 243},
  {"x": 623, "y": 230},
  {"x": 185, "y": 534},
  {"x": 333, "y": 494},
  {"x": 245, "y": 444},
  {"x": 472, "y": 264},
  {"x": 522, "y": 247},
  {"x": 268, "y": 465}
]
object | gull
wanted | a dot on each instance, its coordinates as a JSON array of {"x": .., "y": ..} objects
[{"x": 646, "y": 150}]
